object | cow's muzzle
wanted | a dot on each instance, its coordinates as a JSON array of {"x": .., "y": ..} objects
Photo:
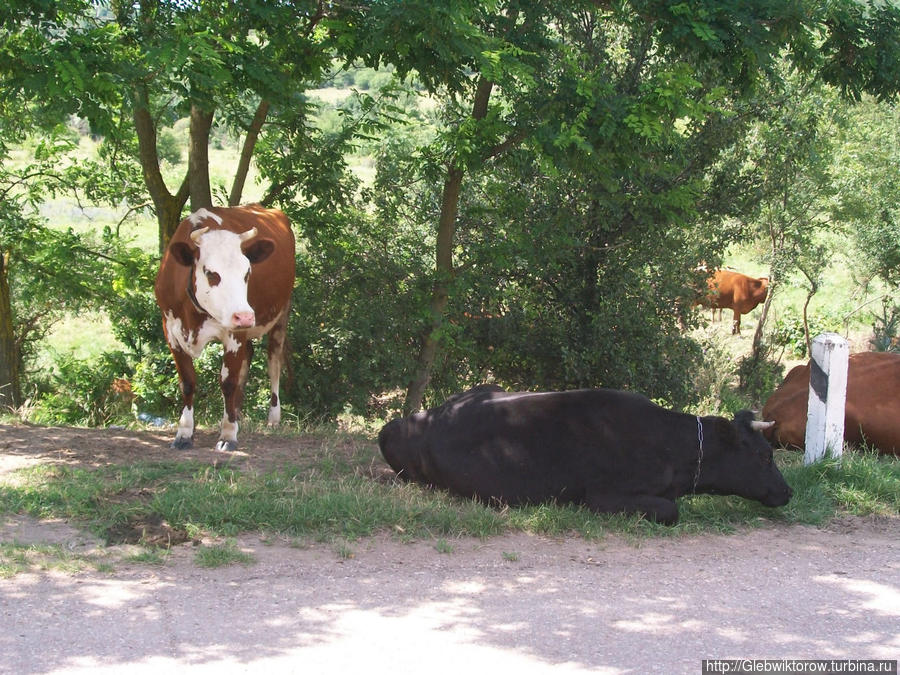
[
  {"x": 243, "y": 320},
  {"x": 778, "y": 497}
]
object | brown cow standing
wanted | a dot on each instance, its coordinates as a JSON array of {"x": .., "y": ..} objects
[
  {"x": 227, "y": 275},
  {"x": 735, "y": 291},
  {"x": 871, "y": 413}
]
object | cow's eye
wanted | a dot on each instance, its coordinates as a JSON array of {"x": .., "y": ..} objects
[
  {"x": 247, "y": 277},
  {"x": 212, "y": 277}
]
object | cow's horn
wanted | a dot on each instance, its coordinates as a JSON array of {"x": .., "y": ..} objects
[
  {"x": 196, "y": 234},
  {"x": 761, "y": 426},
  {"x": 249, "y": 234}
]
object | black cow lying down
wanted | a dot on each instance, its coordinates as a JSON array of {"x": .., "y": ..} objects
[{"x": 609, "y": 450}]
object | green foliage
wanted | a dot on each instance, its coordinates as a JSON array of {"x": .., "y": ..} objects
[
  {"x": 868, "y": 184},
  {"x": 81, "y": 392},
  {"x": 169, "y": 147},
  {"x": 132, "y": 307},
  {"x": 619, "y": 147},
  {"x": 886, "y": 328},
  {"x": 353, "y": 311},
  {"x": 758, "y": 376},
  {"x": 789, "y": 333}
]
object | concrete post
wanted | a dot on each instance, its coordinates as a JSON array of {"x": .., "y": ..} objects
[{"x": 827, "y": 395}]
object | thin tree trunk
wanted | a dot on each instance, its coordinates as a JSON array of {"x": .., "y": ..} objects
[
  {"x": 240, "y": 176},
  {"x": 10, "y": 391},
  {"x": 440, "y": 293},
  {"x": 773, "y": 282},
  {"x": 198, "y": 159},
  {"x": 167, "y": 206},
  {"x": 763, "y": 317},
  {"x": 813, "y": 289}
]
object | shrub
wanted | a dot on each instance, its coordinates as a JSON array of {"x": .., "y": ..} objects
[
  {"x": 758, "y": 376},
  {"x": 789, "y": 332},
  {"x": 84, "y": 392},
  {"x": 886, "y": 329}
]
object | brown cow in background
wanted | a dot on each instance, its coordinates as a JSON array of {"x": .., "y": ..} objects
[
  {"x": 872, "y": 410},
  {"x": 735, "y": 291}
]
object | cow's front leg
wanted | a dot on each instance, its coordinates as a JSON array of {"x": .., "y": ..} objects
[
  {"x": 736, "y": 323},
  {"x": 187, "y": 381},
  {"x": 235, "y": 365}
]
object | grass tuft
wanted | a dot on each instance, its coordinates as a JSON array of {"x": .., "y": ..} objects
[{"x": 219, "y": 555}]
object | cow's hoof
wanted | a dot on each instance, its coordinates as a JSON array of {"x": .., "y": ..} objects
[
  {"x": 227, "y": 446},
  {"x": 183, "y": 443}
]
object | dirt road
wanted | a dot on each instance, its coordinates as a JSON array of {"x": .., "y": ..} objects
[{"x": 516, "y": 604}]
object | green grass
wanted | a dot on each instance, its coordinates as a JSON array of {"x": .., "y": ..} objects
[
  {"x": 16, "y": 558},
  {"x": 223, "y": 554},
  {"x": 339, "y": 504}
]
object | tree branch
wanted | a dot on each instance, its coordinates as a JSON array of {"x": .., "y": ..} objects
[
  {"x": 147, "y": 153},
  {"x": 240, "y": 176}
]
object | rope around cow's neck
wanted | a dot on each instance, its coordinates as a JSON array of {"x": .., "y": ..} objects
[{"x": 699, "y": 456}]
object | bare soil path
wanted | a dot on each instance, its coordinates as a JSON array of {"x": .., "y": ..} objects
[{"x": 518, "y": 603}]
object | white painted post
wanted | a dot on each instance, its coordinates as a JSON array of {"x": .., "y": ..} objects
[{"x": 827, "y": 395}]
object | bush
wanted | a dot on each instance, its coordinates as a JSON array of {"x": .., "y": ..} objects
[
  {"x": 758, "y": 376},
  {"x": 87, "y": 393},
  {"x": 886, "y": 329},
  {"x": 789, "y": 333}
]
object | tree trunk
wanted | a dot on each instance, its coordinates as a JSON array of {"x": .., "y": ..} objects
[
  {"x": 440, "y": 293},
  {"x": 10, "y": 393},
  {"x": 168, "y": 216},
  {"x": 167, "y": 206},
  {"x": 240, "y": 176},
  {"x": 763, "y": 317},
  {"x": 198, "y": 158}
]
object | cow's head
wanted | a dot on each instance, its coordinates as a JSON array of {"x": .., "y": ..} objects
[
  {"x": 221, "y": 263},
  {"x": 742, "y": 463},
  {"x": 760, "y": 289},
  {"x": 399, "y": 442}
]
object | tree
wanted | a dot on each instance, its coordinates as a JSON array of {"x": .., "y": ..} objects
[
  {"x": 500, "y": 46},
  {"x": 571, "y": 92},
  {"x": 867, "y": 165},
  {"x": 132, "y": 67},
  {"x": 44, "y": 271},
  {"x": 791, "y": 156},
  {"x": 638, "y": 103}
]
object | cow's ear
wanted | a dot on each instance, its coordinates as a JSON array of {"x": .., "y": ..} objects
[
  {"x": 259, "y": 250},
  {"x": 182, "y": 253}
]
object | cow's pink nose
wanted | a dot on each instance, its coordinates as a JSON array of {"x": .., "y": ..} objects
[{"x": 243, "y": 319}]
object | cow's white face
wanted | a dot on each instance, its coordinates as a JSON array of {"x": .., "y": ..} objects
[
  {"x": 221, "y": 263},
  {"x": 221, "y": 275}
]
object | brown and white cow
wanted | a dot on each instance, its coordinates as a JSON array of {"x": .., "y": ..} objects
[
  {"x": 226, "y": 275},
  {"x": 735, "y": 291},
  {"x": 871, "y": 411}
]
